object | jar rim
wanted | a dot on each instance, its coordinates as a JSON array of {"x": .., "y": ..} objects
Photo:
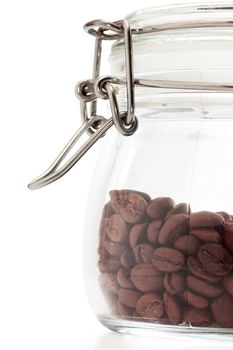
[
  {"x": 174, "y": 13},
  {"x": 178, "y": 8}
]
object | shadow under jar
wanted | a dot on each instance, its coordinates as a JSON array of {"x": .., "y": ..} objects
[{"x": 159, "y": 230}]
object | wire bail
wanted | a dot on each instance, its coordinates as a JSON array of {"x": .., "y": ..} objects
[{"x": 89, "y": 91}]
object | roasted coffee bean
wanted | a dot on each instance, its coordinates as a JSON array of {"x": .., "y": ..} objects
[
  {"x": 131, "y": 206},
  {"x": 208, "y": 234},
  {"x": 107, "y": 211},
  {"x": 197, "y": 269},
  {"x": 216, "y": 259},
  {"x": 228, "y": 235},
  {"x": 197, "y": 317},
  {"x": 153, "y": 231},
  {"x": 137, "y": 234},
  {"x": 222, "y": 310},
  {"x": 195, "y": 300},
  {"x": 228, "y": 283},
  {"x": 188, "y": 244},
  {"x": 146, "y": 278},
  {"x": 158, "y": 208},
  {"x": 173, "y": 308},
  {"x": 108, "y": 281},
  {"x": 117, "y": 229},
  {"x": 124, "y": 310},
  {"x": 203, "y": 288},
  {"x": 127, "y": 259},
  {"x": 174, "y": 283},
  {"x": 133, "y": 209},
  {"x": 143, "y": 253},
  {"x": 168, "y": 259},
  {"x": 181, "y": 208},
  {"x": 123, "y": 279},
  {"x": 226, "y": 216},
  {"x": 205, "y": 219},
  {"x": 159, "y": 262},
  {"x": 118, "y": 198},
  {"x": 114, "y": 248},
  {"x": 129, "y": 297},
  {"x": 109, "y": 265},
  {"x": 150, "y": 305},
  {"x": 174, "y": 227}
]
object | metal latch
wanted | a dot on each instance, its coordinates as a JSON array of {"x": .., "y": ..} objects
[{"x": 89, "y": 91}]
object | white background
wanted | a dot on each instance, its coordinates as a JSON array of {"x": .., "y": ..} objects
[{"x": 43, "y": 53}]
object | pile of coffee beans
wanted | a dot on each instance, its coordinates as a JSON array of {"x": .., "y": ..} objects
[{"x": 161, "y": 263}]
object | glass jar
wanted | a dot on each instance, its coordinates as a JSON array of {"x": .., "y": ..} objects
[{"x": 159, "y": 228}]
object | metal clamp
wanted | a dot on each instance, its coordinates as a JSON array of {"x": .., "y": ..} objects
[{"x": 89, "y": 91}]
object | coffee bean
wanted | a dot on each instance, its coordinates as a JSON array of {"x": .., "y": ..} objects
[
  {"x": 203, "y": 288},
  {"x": 153, "y": 231},
  {"x": 222, "y": 310},
  {"x": 131, "y": 206},
  {"x": 226, "y": 216},
  {"x": 181, "y": 208},
  {"x": 205, "y": 219},
  {"x": 174, "y": 227},
  {"x": 228, "y": 283},
  {"x": 208, "y": 234},
  {"x": 195, "y": 300},
  {"x": 123, "y": 279},
  {"x": 107, "y": 211},
  {"x": 168, "y": 259},
  {"x": 103, "y": 254},
  {"x": 114, "y": 248},
  {"x": 150, "y": 306},
  {"x": 216, "y": 259},
  {"x": 197, "y": 269},
  {"x": 129, "y": 297},
  {"x": 117, "y": 229},
  {"x": 127, "y": 259},
  {"x": 158, "y": 208},
  {"x": 137, "y": 234},
  {"x": 159, "y": 261},
  {"x": 146, "y": 278},
  {"x": 228, "y": 235},
  {"x": 133, "y": 209},
  {"x": 197, "y": 317},
  {"x": 188, "y": 244},
  {"x": 174, "y": 283},
  {"x": 143, "y": 253},
  {"x": 109, "y": 265},
  {"x": 118, "y": 198},
  {"x": 173, "y": 308}
]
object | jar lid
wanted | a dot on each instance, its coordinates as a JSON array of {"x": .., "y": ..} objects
[{"x": 180, "y": 42}]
